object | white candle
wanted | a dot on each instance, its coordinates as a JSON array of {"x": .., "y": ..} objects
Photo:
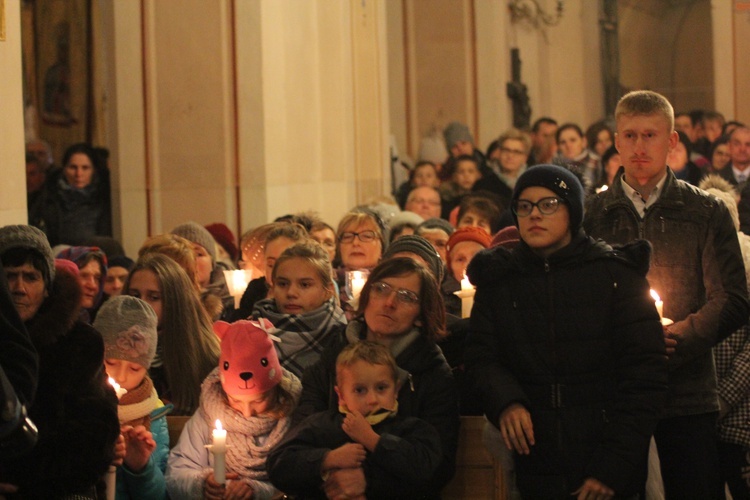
[
  {"x": 219, "y": 449},
  {"x": 118, "y": 390},
  {"x": 659, "y": 303},
  {"x": 467, "y": 297},
  {"x": 358, "y": 283},
  {"x": 237, "y": 281},
  {"x": 466, "y": 284}
]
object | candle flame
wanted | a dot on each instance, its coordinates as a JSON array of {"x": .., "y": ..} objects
[
  {"x": 113, "y": 383},
  {"x": 655, "y": 295},
  {"x": 356, "y": 275},
  {"x": 218, "y": 425}
]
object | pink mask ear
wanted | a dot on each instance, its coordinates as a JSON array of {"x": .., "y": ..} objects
[{"x": 220, "y": 328}]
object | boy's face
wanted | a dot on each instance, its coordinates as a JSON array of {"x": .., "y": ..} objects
[
  {"x": 644, "y": 142},
  {"x": 366, "y": 388},
  {"x": 126, "y": 373},
  {"x": 426, "y": 176}
]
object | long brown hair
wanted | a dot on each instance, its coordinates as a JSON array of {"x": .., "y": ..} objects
[
  {"x": 189, "y": 347},
  {"x": 431, "y": 306}
]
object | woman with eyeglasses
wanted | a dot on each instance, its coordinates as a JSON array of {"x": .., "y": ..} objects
[
  {"x": 566, "y": 349},
  {"x": 401, "y": 308}
]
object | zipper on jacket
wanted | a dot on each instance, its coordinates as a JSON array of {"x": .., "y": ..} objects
[
  {"x": 411, "y": 382},
  {"x": 663, "y": 224}
]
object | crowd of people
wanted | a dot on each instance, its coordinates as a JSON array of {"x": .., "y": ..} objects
[{"x": 343, "y": 369}]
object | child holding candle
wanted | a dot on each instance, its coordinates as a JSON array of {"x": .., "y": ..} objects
[
  {"x": 302, "y": 306},
  {"x": 252, "y": 397},
  {"x": 128, "y": 328},
  {"x": 398, "y": 455}
]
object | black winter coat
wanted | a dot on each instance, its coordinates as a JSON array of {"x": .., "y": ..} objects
[
  {"x": 429, "y": 393},
  {"x": 575, "y": 339},
  {"x": 75, "y": 408}
]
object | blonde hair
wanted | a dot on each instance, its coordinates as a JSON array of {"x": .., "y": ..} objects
[
  {"x": 645, "y": 103},
  {"x": 516, "y": 135},
  {"x": 370, "y": 352},
  {"x": 176, "y": 248},
  {"x": 189, "y": 347}
]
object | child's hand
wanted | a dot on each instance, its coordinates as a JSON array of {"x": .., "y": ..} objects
[
  {"x": 232, "y": 489},
  {"x": 237, "y": 490},
  {"x": 357, "y": 428},
  {"x": 347, "y": 456},
  {"x": 120, "y": 450},
  {"x": 140, "y": 445}
]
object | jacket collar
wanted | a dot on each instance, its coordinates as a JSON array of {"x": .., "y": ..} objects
[{"x": 671, "y": 197}]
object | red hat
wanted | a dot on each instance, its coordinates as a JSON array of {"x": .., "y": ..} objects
[
  {"x": 248, "y": 364},
  {"x": 224, "y": 237},
  {"x": 468, "y": 233},
  {"x": 508, "y": 237}
]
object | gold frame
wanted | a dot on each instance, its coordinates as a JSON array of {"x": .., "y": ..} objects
[{"x": 2, "y": 20}]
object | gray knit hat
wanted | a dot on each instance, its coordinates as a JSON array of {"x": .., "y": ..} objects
[
  {"x": 455, "y": 132},
  {"x": 436, "y": 223},
  {"x": 32, "y": 238},
  {"x": 417, "y": 245},
  {"x": 195, "y": 233},
  {"x": 128, "y": 328}
]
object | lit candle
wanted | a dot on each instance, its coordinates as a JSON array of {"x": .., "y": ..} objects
[
  {"x": 358, "y": 283},
  {"x": 237, "y": 281},
  {"x": 467, "y": 296},
  {"x": 219, "y": 450},
  {"x": 118, "y": 390},
  {"x": 659, "y": 304}
]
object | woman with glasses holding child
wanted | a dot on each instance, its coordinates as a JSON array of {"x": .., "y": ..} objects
[
  {"x": 566, "y": 349},
  {"x": 400, "y": 307}
]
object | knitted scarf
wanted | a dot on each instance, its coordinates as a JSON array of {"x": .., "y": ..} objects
[
  {"x": 136, "y": 405},
  {"x": 302, "y": 335},
  {"x": 248, "y": 439}
]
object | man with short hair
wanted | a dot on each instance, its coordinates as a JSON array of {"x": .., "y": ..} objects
[
  {"x": 543, "y": 141},
  {"x": 738, "y": 172},
  {"x": 697, "y": 268},
  {"x": 424, "y": 201}
]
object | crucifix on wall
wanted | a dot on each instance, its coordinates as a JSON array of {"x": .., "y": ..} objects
[{"x": 518, "y": 93}]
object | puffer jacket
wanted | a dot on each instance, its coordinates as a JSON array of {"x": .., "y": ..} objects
[
  {"x": 576, "y": 340},
  {"x": 148, "y": 483},
  {"x": 429, "y": 393},
  {"x": 696, "y": 268}
]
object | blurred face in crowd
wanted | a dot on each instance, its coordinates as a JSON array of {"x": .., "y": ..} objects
[
  {"x": 712, "y": 129},
  {"x": 461, "y": 255},
  {"x": 604, "y": 141},
  {"x": 739, "y": 148},
  {"x": 571, "y": 143},
  {"x": 678, "y": 157},
  {"x": 35, "y": 177},
  {"x": 90, "y": 277},
  {"x": 424, "y": 201},
  {"x": 144, "y": 285},
  {"x": 426, "y": 175},
  {"x": 439, "y": 240},
  {"x": 203, "y": 265},
  {"x": 115, "y": 281},
  {"x": 513, "y": 156},
  {"x": 684, "y": 124},
  {"x": 272, "y": 251},
  {"x": 473, "y": 218},
  {"x": 462, "y": 148},
  {"x": 27, "y": 289},
  {"x": 79, "y": 171},
  {"x": 612, "y": 166},
  {"x": 721, "y": 156},
  {"x": 360, "y": 246},
  {"x": 327, "y": 239},
  {"x": 466, "y": 174}
]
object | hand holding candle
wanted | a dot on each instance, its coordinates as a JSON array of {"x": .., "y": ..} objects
[
  {"x": 467, "y": 296},
  {"x": 219, "y": 450},
  {"x": 660, "y": 308}
]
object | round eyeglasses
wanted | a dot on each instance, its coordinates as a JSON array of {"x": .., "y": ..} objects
[
  {"x": 546, "y": 206},
  {"x": 403, "y": 296}
]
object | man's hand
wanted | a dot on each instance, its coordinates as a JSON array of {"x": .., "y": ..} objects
[
  {"x": 671, "y": 340},
  {"x": 593, "y": 489},
  {"x": 517, "y": 429},
  {"x": 345, "y": 484},
  {"x": 350, "y": 455}
]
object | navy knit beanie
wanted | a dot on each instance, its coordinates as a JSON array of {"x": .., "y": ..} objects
[{"x": 560, "y": 181}]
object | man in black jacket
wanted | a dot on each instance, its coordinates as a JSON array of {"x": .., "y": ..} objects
[{"x": 698, "y": 270}]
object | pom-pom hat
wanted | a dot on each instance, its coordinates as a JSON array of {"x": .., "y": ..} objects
[{"x": 560, "y": 181}]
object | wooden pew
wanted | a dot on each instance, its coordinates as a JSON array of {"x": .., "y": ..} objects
[
  {"x": 478, "y": 474},
  {"x": 175, "y": 425}
]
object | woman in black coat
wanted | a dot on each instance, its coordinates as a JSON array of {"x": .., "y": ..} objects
[
  {"x": 400, "y": 307},
  {"x": 566, "y": 349}
]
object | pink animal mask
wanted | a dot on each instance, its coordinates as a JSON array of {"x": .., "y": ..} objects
[{"x": 248, "y": 364}]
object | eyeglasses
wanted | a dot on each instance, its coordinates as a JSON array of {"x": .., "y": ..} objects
[
  {"x": 364, "y": 237},
  {"x": 517, "y": 152},
  {"x": 546, "y": 206},
  {"x": 406, "y": 297},
  {"x": 420, "y": 201}
]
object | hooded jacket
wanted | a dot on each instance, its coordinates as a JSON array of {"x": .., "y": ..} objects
[
  {"x": 576, "y": 340},
  {"x": 696, "y": 268},
  {"x": 75, "y": 410}
]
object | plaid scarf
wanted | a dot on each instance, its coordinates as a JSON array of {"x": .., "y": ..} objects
[{"x": 302, "y": 336}]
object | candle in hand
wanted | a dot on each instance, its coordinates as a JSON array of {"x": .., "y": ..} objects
[
  {"x": 358, "y": 282},
  {"x": 219, "y": 450},
  {"x": 118, "y": 390},
  {"x": 659, "y": 303}
]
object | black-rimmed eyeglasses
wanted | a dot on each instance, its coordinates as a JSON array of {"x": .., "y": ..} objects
[
  {"x": 546, "y": 206},
  {"x": 364, "y": 237}
]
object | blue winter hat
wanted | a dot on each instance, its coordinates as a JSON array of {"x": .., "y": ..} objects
[{"x": 560, "y": 181}]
